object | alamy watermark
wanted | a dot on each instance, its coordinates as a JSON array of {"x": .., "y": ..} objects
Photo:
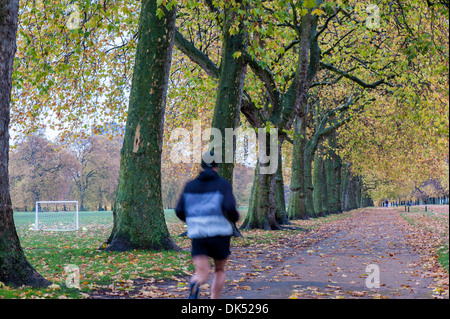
[
  {"x": 73, "y": 276},
  {"x": 74, "y": 20},
  {"x": 373, "y": 278},
  {"x": 248, "y": 145},
  {"x": 373, "y": 19}
]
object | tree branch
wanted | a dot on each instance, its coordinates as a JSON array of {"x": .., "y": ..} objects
[
  {"x": 321, "y": 131},
  {"x": 297, "y": 92},
  {"x": 328, "y": 51},
  {"x": 195, "y": 55},
  {"x": 124, "y": 44},
  {"x": 266, "y": 76},
  {"x": 326, "y": 82},
  {"x": 251, "y": 112},
  {"x": 354, "y": 78},
  {"x": 325, "y": 25}
]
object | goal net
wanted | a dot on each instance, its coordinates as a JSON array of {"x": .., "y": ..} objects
[{"x": 56, "y": 215}]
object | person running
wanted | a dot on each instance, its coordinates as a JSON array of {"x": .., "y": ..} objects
[{"x": 208, "y": 207}]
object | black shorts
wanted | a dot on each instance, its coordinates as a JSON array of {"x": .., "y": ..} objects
[{"x": 217, "y": 248}]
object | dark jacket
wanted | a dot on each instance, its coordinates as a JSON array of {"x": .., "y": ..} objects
[{"x": 207, "y": 205}]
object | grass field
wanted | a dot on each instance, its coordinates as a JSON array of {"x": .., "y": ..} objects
[{"x": 49, "y": 252}]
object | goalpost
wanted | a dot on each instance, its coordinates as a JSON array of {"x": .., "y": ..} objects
[{"x": 56, "y": 215}]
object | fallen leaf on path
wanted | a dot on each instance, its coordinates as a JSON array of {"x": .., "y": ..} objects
[
  {"x": 333, "y": 287},
  {"x": 359, "y": 293}
]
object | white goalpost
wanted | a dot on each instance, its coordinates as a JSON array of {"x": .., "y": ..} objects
[{"x": 56, "y": 216}]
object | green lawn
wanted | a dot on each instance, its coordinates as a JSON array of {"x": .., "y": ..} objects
[{"x": 50, "y": 252}]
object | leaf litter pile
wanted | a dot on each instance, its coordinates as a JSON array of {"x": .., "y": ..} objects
[{"x": 326, "y": 257}]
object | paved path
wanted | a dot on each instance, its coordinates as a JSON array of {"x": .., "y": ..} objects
[{"x": 332, "y": 262}]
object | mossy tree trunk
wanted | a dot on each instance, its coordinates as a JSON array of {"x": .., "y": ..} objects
[
  {"x": 309, "y": 187},
  {"x": 280, "y": 200},
  {"x": 301, "y": 202},
  {"x": 338, "y": 179},
  {"x": 297, "y": 204},
  {"x": 251, "y": 220},
  {"x": 262, "y": 212},
  {"x": 317, "y": 182},
  {"x": 229, "y": 93},
  {"x": 231, "y": 77},
  {"x": 140, "y": 222},
  {"x": 330, "y": 176},
  {"x": 324, "y": 188},
  {"x": 284, "y": 107},
  {"x": 351, "y": 193},
  {"x": 345, "y": 179},
  {"x": 15, "y": 269},
  {"x": 358, "y": 192}
]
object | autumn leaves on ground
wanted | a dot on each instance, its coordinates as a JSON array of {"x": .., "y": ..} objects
[{"x": 325, "y": 257}]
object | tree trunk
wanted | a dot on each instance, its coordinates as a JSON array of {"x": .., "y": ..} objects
[
  {"x": 280, "y": 201},
  {"x": 344, "y": 187},
  {"x": 262, "y": 209},
  {"x": 296, "y": 205},
  {"x": 330, "y": 176},
  {"x": 140, "y": 222},
  {"x": 14, "y": 267},
  {"x": 229, "y": 96},
  {"x": 337, "y": 178},
  {"x": 309, "y": 187},
  {"x": 317, "y": 183},
  {"x": 351, "y": 201},
  {"x": 251, "y": 218},
  {"x": 324, "y": 194},
  {"x": 229, "y": 93},
  {"x": 358, "y": 191}
]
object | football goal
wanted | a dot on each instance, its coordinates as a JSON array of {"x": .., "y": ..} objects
[{"x": 56, "y": 216}]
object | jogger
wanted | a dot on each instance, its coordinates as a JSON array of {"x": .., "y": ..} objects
[{"x": 207, "y": 205}]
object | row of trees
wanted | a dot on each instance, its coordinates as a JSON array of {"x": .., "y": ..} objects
[{"x": 329, "y": 76}]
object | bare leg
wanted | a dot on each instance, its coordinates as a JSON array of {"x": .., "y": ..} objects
[
  {"x": 202, "y": 269},
  {"x": 219, "y": 278}
]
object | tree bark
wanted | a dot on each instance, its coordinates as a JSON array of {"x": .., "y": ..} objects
[
  {"x": 338, "y": 179},
  {"x": 297, "y": 204},
  {"x": 317, "y": 182},
  {"x": 309, "y": 187},
  {"x": 14, "y": 268},
  {"x": 280, "y": 200},
  {"x": 262, "y": 212},
  {"x": 140, "y": 222},
  {"x": 324, "y": 188},
  {"x": 345, "y": 187},
  {"x": 229, "y": 94},
  {"x": 330, "y": 175}
]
